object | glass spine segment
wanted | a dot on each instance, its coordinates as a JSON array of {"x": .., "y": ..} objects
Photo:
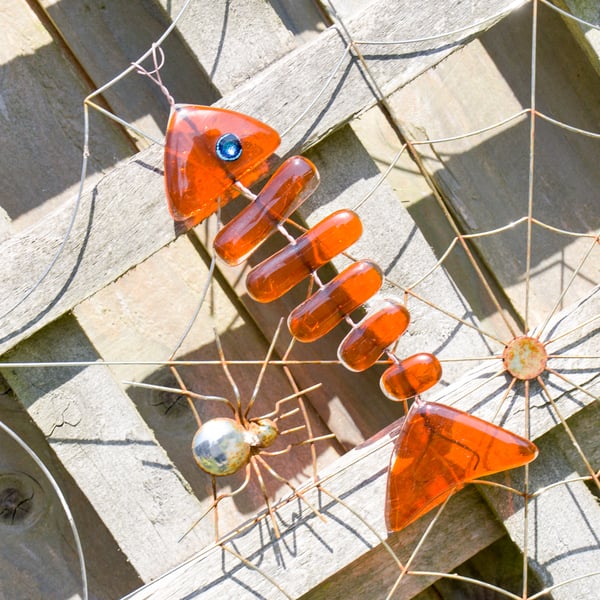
[
  {"x": 320, "y": 313},
  {"x": 279, "y": 273},
  {"x": 288, "y": 188},
  {"x": 364, "y": 345}
]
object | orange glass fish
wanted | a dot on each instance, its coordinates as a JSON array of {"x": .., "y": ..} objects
[
  {"x": 211, "y": 154},
  {"x": 438, "y": 451}
]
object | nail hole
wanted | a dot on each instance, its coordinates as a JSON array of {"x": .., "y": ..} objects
[
  {"x": 14, "y": 506},
  {"x": 22, "y": 501}
]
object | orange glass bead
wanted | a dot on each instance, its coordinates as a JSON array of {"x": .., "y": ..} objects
[
  {"x": 438, "y": 451},
  {"x": 283, "y": 270},
  {"x": 295, "y": 180},
  {"x": 411, "y": 376},
  {"x": 367, "y": 341},
  {"x": 206, "y": 151},
  {"x": 320, "y": 313}
]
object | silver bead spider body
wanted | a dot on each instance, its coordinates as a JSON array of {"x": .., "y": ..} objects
[{"x": 223, "y": 446}]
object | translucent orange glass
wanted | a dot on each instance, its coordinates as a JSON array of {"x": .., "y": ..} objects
[
  {"x": 283, "y": 270},
  {"x": 438, "y": 451},
  {"x": 195, "y": 177},
  {"x": 365, "y": 344},
  {"x": 295, "y": 180},
  {"x": 319, "y": 314},
  {"x": 411, "y": 376}
]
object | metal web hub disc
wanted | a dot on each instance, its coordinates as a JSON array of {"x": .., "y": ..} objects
[{"x": 525, "y": 357}]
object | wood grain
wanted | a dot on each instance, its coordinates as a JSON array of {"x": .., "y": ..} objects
[
  {"x": 100, "y": 438},
  {"x": 587, "y": 37},
  {"x": 37, "y": 556},
  {"x": 41, "y": 124},
  {"x": 123, "y": 221},
  {"x": 231, "y": 41},
  {"x": 484, "y": 178},
  {"x": 104, "y": 43}
]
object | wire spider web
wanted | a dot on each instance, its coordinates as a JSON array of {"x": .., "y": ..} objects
[{"x": 583, "y": 329}]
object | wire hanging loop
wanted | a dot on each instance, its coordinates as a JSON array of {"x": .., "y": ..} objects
[{"x": 158, "y": 58}]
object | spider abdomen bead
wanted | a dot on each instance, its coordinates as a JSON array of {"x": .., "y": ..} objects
[{"x": 221, "y": 446}]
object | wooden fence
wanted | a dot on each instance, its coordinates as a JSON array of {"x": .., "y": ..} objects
[{"x": 123, "y": 285}]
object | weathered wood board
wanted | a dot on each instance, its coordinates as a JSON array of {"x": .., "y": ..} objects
[
  {"x": 42, "y": 121},
  {"x": 587, "y": 37},
  {"x": 131, "y": 197},
  {"x": 38, "y": 559},
  {"x": 121, "y": 231},
  {"x": 104, "y": 43}
]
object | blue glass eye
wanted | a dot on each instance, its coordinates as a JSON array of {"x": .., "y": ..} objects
[{"x": 229, "y": 147}]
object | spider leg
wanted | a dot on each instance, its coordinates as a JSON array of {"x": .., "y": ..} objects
[
  {"x": 263, "y": 369},
  {"x": 295, "y": 490},
  {"x": 216, "y": 500},
  {"x": 232, "y": 383},
  {"x": 274, "y": 413},
  {"x": 327, "y": 436},
  {"x": 254, "y": 462}
]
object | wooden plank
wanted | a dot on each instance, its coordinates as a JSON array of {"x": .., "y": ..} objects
[
  {"x": 485, "y": 177},
  {"x": 231, "y": 41},
  {"x": 560, "y": 540},
  {"x": 416, "y": 196},
  {"x": 304, "y": 18},
  {"x": 128, "y": 204},
  {"x": 106, "y": 39},
  {"x": 99, "y": 437},
  {"x": 42, "y": 126},
  {"x": 587, "y": 37}
]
